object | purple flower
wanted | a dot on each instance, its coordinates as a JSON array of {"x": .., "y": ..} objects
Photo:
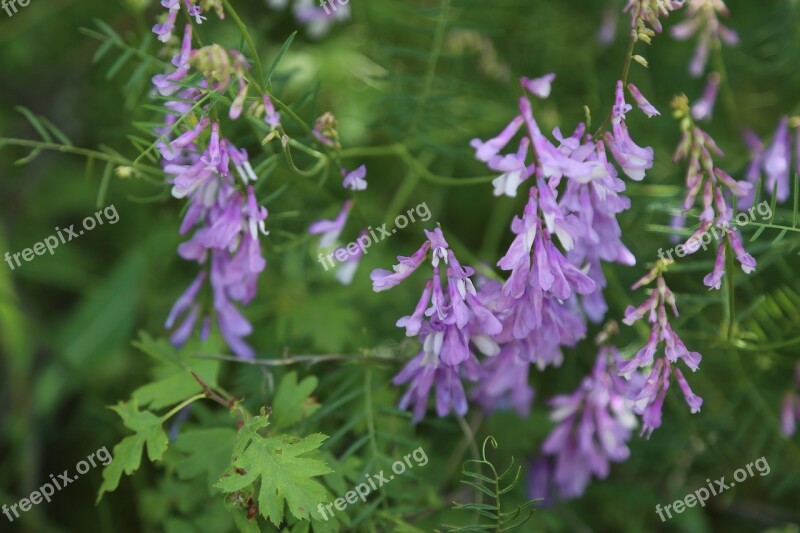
[
  {"x": 164, "y": 29},
  {"x": 271, "y": 117},
  {"x": 776, "y": 162},
  {"x": 790, "y": 412},
  {"x": 633, "y": 159},
  {"x": 539, "y": 87},
  {"x": 331, "y": 229},
  {"x": 513, "y": 168},
  {"x": 487, "y": 150},
  {"x": 745, "y": 260},
  {"x": 384, "y": 279},
  {"x": 702, "y": 19},
  {"x": 649, "y": 399},
  {"x": 452, "y": 323},
  {"x": 646, "y": 107},
  {"x": 714, "y": 279},
  {"x": 702, "y": 109},
  {"x": 355, "y": 180}
]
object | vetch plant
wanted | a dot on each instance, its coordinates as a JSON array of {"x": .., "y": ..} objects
[{"x": 280, "y": 397}]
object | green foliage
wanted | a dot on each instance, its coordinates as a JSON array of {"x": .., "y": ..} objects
[
  {"x": 494, "y": 486},
  {"x": 410, "y": 82}
]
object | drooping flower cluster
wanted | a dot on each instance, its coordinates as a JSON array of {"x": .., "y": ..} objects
[
  {"x": 223, "y": 215},
  {"x": 649, "y": 399},
  {"x": 790, "y": 413},
  {"x": 702, "y": 20},
  {"x": 539, "y": 304},
  {"x": 594, "y": 424},
  {"x": 451, "y": 323},
  {"x": 697, "y": 148},
  {"x": 774, "y": 162}
]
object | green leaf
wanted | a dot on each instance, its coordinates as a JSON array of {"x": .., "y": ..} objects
[
  {"x": 293, "y": 401},
  {"x": 286, "y": 44},
  {"x": 285, "y": 472},
  {"x": 175, "y": 385},
  {"x": 204, "y": 451},
  {"x": 127, "y": 455}
]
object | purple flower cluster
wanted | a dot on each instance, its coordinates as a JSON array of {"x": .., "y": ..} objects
[
  {"x": 698, "y": 149},
  {"x": 554, "y": 262},
  {"x": 702, "y": 20},
  {"x": 649, "y": 399},
  {"x": 646, "y": 14},
  {"x": 224, "y": 217},
  {"x": 594, "y": 424},
  {"x": 450, "y": 321}
]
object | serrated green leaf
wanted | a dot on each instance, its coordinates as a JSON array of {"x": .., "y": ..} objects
[
  {"x": 278, "y": 463},
  {"x": 127, "y": 455}
]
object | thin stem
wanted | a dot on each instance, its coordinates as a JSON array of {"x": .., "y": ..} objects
[
  {"x": 183, "y": 404},
  {"x": 313, "y": 171},
  {"x": 401, "y": 151},
  {"x": 371, "y": 422},
  {"x": 250, "y": 44},
  {"x": 625, "y": 71},
  {"x": 63, "y": 148}
]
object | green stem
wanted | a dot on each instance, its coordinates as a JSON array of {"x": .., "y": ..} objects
[
  {"x": 181, "y": 405},
  {"x": 626, "y": 68},
  {"x": 401, "y": 151},
  {"x": 313, "y": 171},
  {"x": 63, "y": 148},
  {"x": 250, "y": 44}
]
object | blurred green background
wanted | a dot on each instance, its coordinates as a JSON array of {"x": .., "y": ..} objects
[{"x": 67, "y": 321}]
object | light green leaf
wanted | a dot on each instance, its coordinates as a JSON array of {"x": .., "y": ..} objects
[
  {"x": 283, "y": 469},
  {"x": 127, "y": 455}
]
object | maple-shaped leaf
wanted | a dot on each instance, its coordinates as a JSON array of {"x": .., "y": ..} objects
[
  {"x": 281, "y": 464},
  {"x": 293, "y": 401},
  {"x": 127, "y": 455}
]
